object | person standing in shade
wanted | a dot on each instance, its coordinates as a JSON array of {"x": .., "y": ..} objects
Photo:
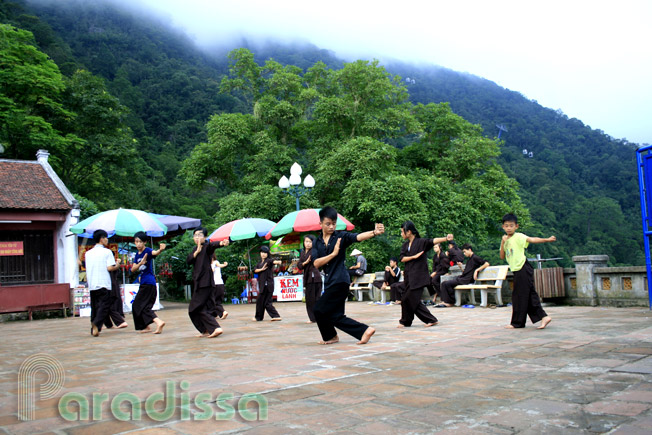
[
  {"x": 312, "y": 283},
  {"x": 99, "y": 262},
  {"x": 440, "y": 266},
  {"x": 141, "y": 308},
  {"x": 264, "y": 302},
  {"x": 218, "y": 294},
  {"x": 328, "y": 253},
  {"x": 525, "y": 300},
  {"x": 201, "y": 308},
  {"x": 415, "y": 274}
]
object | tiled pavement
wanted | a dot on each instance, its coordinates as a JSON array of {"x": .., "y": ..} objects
[{"x": 590, "y": 371}]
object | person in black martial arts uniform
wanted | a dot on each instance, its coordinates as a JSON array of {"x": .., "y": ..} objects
[
  {"x": 311, "y": 277},
  {"x": 440, "y": 266},
  {"x": 265, "y": 271},
  {"x": 328, "y": 253},
  {"x": 474, "y": 265},
  {"x": 201, "y": 307},
  {"x": 416, "y": 276}
]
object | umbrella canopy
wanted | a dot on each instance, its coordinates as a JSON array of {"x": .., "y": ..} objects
[
  {"x": 242, "y": 229},
  {"x": 122, "y": 222},
  {"x": 304, "y": 220},
  {"x": 176, "y": 223}
]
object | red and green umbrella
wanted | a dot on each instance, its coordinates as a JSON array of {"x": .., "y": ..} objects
[
  {"x": 242, "y": 229},
  {"x": 304, "y": 220}
]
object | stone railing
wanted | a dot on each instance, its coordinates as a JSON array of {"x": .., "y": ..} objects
[{"x": 592, "y": 283}]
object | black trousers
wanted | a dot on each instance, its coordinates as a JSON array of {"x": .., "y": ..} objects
[
  {"x": 264, "y": 303},
  {"x": 141, "y": 308},
  {"x": 218, "y": 296},
  {"x": 313, "y": 292},
  {"x": 329, "y": 313},
  {"x": 447, "y": 289},
  {"x": 201, "y": 309},
  {"x": 411, "y": 305},
  {"x": 525, "y": 300},
  {"x": 396, "y": 291},
  {"x": 100, "y": 306},
  {"x": 116, "y": 315},
  {"x": 435, "y": 283}
]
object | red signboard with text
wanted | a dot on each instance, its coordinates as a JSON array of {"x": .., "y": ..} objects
[{"x": 11, "y": 248}]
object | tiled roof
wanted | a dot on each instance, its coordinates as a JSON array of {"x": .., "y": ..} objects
[{"x": 26, "y": 185}]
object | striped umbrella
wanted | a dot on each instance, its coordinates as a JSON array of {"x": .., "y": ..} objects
[
  {"x": 122, "y": 222},
  {"x": 242, "y": 229},
  {"x": 304, "y": 220}
]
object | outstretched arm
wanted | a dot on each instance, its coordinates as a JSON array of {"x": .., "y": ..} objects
[
  {"x": 446, "y": 238},
  {"x": 378, "y": 230},
  {"x": 541, "y": 240}
]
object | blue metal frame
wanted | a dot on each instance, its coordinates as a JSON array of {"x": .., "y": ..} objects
[{"x": 644, "y": 162}]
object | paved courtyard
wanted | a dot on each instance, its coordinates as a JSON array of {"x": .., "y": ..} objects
[{"x": 590, "y": 371}]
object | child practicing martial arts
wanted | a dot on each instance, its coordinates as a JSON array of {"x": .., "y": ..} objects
[{"x": 525, "y": 300}]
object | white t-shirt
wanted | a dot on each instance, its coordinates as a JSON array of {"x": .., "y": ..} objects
[
  {"x": 217, "y": 274},
  {"x": 97, "y": 261}
]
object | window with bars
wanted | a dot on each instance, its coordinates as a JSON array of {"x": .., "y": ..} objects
[{"x": 36, "y": 265}]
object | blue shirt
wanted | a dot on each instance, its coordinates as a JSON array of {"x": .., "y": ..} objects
[
  {"x": 147, "y": 275},
  {"x": 335, "y": 272}
]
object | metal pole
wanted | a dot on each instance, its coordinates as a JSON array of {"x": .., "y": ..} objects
[{"x": 644, "y": 217}]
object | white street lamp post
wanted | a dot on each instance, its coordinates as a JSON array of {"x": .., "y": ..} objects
[{"x": 292, "y": 186}]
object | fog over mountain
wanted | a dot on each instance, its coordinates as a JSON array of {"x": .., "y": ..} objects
[{"x": 590, "y": 59}]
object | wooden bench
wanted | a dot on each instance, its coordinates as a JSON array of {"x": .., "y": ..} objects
[
  {"x": 384, "y": 291},
  {"x": 489, "y": 280},
  {"x": 47, "y": 307},
  {"x": 361, "y": 284}
]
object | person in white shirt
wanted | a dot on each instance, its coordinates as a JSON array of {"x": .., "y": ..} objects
[
  {"x": 219, "y": 289},
  {"x": 99, "y": 262}
]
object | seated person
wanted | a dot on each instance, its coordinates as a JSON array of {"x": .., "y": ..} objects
[
  {"x": 474, "y": 265},
  {"x": 440, "y": 266},
  {"x": 360, "y": 267},
  {"x": 392, "y": 276}
]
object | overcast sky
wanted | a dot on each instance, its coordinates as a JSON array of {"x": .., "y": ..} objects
[{"x": 591, "y": 59}]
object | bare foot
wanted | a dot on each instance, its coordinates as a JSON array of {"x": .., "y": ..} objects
[
  {"x": 398, "y": 302},
  {"x": 254, "y": 319},
  {"x": 159, "y": 325},
  {"x": 143, "y": 331},
  {"x": 448, "y": 305},
  {"x": 331, "y": 341},
  {"x": 215, "y": 333},
  {"x": 367, "y": 335},
  {"x": 276, "y": 319},
  {"x": 508, "y": 327},
  {"x": 94, "y": 331},
  {"x": 310, "y": 321},
  {"x": 224, "y": 315},
  {"x": 428, "y": 325},
  {"x": 544, "y": 322},
  {"x": 122, "y": 325},
  {"x": 201, "y": 335},
  {"x": 400, "y": 325}
]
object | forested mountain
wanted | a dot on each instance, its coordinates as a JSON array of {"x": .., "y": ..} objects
[{"x": 577, "y": 183}]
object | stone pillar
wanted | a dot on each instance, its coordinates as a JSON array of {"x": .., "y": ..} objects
[{"x": 587, "y": 285}]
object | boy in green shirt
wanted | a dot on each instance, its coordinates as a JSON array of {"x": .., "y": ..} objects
[{"x": 525, "y": 300}]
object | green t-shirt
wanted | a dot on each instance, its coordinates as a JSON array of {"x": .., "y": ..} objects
[{"x": 515, "y": 251}]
